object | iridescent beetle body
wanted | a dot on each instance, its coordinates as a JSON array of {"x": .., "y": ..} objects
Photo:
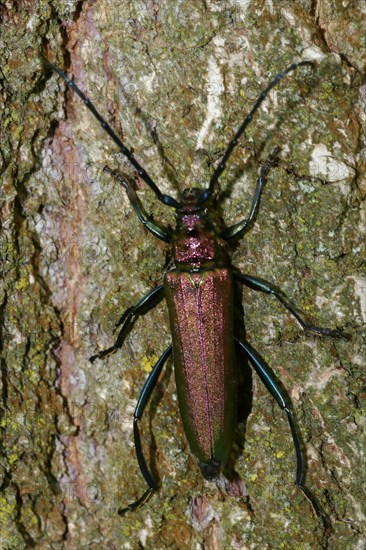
[{"x": 199, "y": 293}]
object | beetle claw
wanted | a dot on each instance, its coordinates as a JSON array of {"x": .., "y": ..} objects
[
  {"x": 102, "y": 354},
  {"x": 138, "y": 503},
  {"x": 335, "y": 333}
]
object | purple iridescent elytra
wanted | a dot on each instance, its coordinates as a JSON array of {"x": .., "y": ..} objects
[{"x": 200, "y": 305}]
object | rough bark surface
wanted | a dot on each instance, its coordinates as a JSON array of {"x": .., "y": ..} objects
[{"x": 176, "y": 79}]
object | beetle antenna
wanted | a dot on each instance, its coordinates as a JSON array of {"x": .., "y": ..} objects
[
  {"x": 221, "y": 167},
  {"x": 165, "y": 199}
]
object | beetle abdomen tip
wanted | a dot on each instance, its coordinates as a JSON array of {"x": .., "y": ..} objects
[{"x": 210, "y": 470}]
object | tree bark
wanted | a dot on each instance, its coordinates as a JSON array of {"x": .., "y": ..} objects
[{"x": 176, "y": 80}]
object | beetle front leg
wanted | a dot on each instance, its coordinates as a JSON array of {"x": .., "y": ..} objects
[
  {"x": 158, "y": 230},
  {"x": 150, "y": 299},
  {"x": 140, "y": 407},
  {"x": 268, "y": 379},
  {"x": 256, "y": 283},
  {"x": 239, "y": 228}
]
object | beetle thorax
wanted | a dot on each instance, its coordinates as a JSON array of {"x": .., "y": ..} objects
[{"x": 195, "y": 243}]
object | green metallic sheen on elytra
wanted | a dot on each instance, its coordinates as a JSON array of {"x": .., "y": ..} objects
[{"x": 200, "y": 306}]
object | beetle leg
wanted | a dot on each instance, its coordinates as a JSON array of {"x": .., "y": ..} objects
[
  {"x": 163, "y": 233},
  {"x": 238, "y": 229},
  {"x": 150, "y": 299},
  {"x": 256, "y": 283},
  {"x": 140, "y": 407},
  {"x": 269, "y": 380}
]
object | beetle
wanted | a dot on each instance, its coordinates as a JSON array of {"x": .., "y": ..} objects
[{"x": 199, "y": 291}]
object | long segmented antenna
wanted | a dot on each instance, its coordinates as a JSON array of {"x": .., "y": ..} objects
[
  {"x": 221, "y": 167},
  {"x": 165, "y": 199}
]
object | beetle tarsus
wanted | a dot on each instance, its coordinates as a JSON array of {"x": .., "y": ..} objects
[
  {"x": 103, "y": 354},
  {"x": 138, "y": 503},
  {"x": 322, "y": 517},
  {"x": 271, "y": 159}
]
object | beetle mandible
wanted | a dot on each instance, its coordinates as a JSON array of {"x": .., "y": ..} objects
[{"x": 199, "y": 293}]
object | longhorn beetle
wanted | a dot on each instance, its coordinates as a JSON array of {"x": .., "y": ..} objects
[{"x": 199, "y": 294}]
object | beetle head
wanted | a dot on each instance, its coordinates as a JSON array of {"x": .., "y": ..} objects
[{"x": 190, "y": 196}]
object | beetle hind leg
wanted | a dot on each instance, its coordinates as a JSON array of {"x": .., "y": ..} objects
[
  {"x": 269, "y": 380},
  {"x": 140, "y": 407}
]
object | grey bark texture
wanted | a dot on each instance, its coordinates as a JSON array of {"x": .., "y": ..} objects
[{"x": 175, "y": 79}]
